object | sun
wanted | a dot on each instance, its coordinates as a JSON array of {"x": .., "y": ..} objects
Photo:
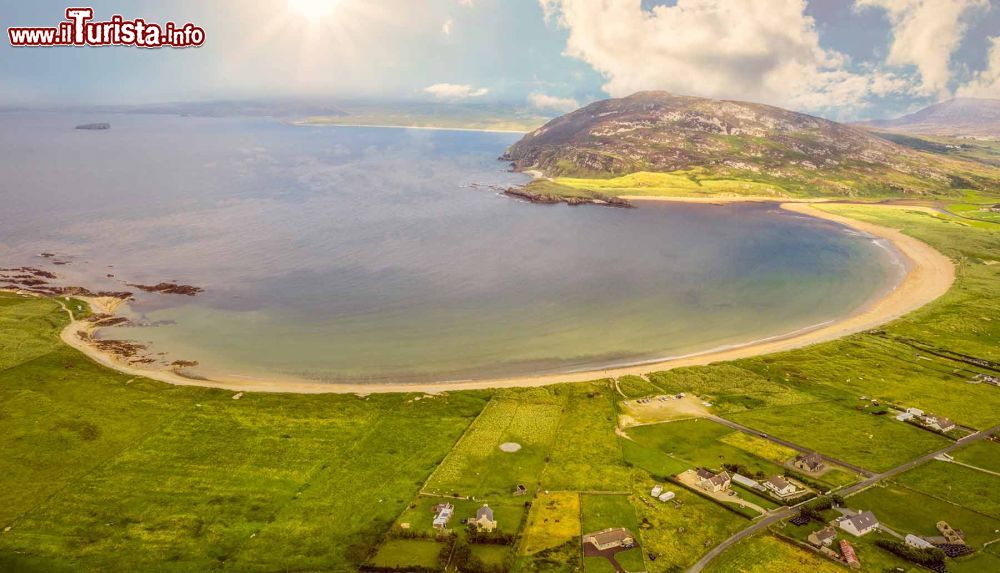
[{"x": 312, "y": 9}]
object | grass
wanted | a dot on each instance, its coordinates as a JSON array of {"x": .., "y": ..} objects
[
  {"x": 586, "y": 455},
  {"x": 692, "y": 443},
  {"x": 554, "y": 519},
  {"x": 909, "y": 511},
  {"x": 835, "y": 428},
  {"x": 956, "y": 484},
  {"x": 984, "y": 455},
  {"x": 767, "y": 554},
  {"x": 409, "y": 553},
  {"x": 680, "y": 531},
  {"x": 478, "y": 467}
]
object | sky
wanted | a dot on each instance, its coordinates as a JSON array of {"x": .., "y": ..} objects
[{"x": 843, "y": 59}]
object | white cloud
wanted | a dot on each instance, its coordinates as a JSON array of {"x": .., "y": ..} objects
[
  {"x": 987, "y": 82},
  {"x": 545, "y": 101},
  {"x": 469, "y": 3},
  {"x": 455, "y": 91},
  {"x": 925, "y": 34},
  {"x": 760, "y": 50},
  {"x": 446, "y": 27}
]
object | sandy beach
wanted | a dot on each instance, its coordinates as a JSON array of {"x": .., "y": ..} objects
[{"x": 930, "y": 274}]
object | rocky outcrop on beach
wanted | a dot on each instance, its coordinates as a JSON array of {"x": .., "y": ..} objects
[
  {"x": 168, "y": 288},
  {"x": 527, "y": 194}
]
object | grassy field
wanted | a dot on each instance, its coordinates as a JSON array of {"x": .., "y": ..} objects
[
  {"x": 554, "y": 520},
  {"x": 478, "y": 467},
  {"x": 767, "y": 554},
  {"x": 837, "y": 429},
  {"x": 984, "y": 455},
  {"x": 956, "y": 484}
]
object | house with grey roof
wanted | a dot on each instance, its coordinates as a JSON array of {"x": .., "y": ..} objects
[
  {"x": 811, "y": 462},
  {"x": 611, "y": 538},
  {"x": 823, "y": 538},
  {"x": 780, "y": 487},
  {"x": 442, "y": 515},
  {"x": 859, "y": 524},
  {"x": 714, "y": 482},
  {"x": 484, "y": 520}
]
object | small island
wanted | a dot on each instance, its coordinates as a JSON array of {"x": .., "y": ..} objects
[{"x": 94, "y": 126}]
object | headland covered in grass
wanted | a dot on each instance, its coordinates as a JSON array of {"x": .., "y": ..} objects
[
  {"x": 929, "y": 274},
  {"x": 109, "y": 471}
]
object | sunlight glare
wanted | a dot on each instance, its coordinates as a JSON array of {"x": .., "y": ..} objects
[{"x": 312, "y": 9}]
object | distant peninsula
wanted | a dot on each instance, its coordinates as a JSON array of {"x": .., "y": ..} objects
[{"x": 94, "y": 126}]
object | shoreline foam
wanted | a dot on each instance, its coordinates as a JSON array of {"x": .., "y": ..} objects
[{"x": 929, "y": 275}]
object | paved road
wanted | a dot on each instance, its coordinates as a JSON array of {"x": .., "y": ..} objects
[
  {"x": 787, "y": 444},
  {"x": 789, "y": 511}
]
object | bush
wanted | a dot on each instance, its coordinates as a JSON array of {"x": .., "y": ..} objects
[{"x": 927, "y": 557}]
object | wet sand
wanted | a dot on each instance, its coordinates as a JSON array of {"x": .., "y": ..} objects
[{"x": 930, "y": 274}]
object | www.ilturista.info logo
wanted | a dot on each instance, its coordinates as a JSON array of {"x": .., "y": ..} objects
[{"x": 79, "y": 30}]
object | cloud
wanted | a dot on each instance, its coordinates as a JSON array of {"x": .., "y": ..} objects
[
  {"x": 446, "y": 27},
  {"x": 761, "y": 50},
  {"x": 545, "y": 101},
  {"x": 455, "y": 91},
  {"x": 925, "y": 34},
  {"x": 986, "y": 83}
]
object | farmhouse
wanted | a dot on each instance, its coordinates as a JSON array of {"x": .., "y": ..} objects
[
  {"x": 484, "y": 520},
  {"x": 809, "y": 462},
  {"x": 938, "y": 423},
  {"x": 824, "y": 537},
  {"x": 442, "y": 515},
  {"x": 859, "y": 524},
  {"x": 714, "y": 483},
  {"x": 780, "y": 486},
  {"x": 610, "y": 538}
]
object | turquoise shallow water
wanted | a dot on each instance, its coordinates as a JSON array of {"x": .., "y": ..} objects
[{"x": 382, "y": 254}]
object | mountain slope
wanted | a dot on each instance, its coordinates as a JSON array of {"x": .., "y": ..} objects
[
  {"x": 797, "y": 153},
  {"x": 962, "y": 116}
]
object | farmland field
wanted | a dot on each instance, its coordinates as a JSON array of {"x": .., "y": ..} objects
[
  {"x": 553, "y": 520},
  {"x": 956, "y": 484},
  {"x": 767, "y": 554},
  {"x": 984, "y": 455},
  {"x": 836, "y": 429}
]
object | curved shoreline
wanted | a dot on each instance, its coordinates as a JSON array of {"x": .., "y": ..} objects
[{"x": 930, "y": 274}]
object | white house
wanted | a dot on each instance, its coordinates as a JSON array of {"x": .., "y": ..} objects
[
  {"x": 484, "y": 520},
  {"x": 859, "y": 524},
  {"x": 667, "y": 496},
  {"x": 442, "y": 515},
  {"x": 915, "y": 411},
  {"x": 657, "y": 490},
  {"x": 780, "y": 486}
]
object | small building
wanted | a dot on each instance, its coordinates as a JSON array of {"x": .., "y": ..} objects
[
  {"x": 918, "y": 542},
  {"x": 666, "y": 496},
  {"x": 915, "y": 411},
  {"x": 519, "y": 490},
  {"x": 780, "y": 486},
  {"x": 859, "y": 524},
  {"x": 849, "y": 555},
  {"x": 824, "y": 537},
  {"x": 812, "y": 462},
  {"x": 939, "y": 423},
  {"x": 611, "y": 538},
  {"x": 484, "y": 520},
  {"x": 714, "y": 483},
  {"x": 747, "y": 482},
  {"x": 904, "y": 416},
  {"x": 656, "y": 491},
  {"x": 442, "y": 515}
]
